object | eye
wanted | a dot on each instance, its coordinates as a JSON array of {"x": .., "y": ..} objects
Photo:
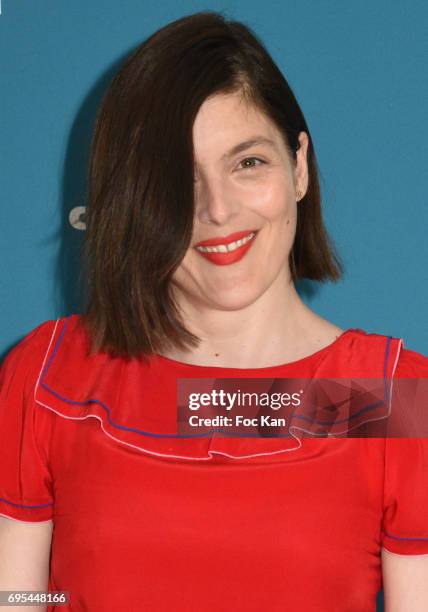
[{"x": 248, "y": 162}]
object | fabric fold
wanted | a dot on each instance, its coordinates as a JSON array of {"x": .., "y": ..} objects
[{"x": 136, "y": 404}]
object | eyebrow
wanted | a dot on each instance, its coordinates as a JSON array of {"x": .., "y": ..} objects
[{"x": 246, "y": 144}]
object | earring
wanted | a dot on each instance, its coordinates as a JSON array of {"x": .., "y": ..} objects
[{"x": 299, "y": 194}]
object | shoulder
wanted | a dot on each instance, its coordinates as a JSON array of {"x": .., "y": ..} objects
[
  {"x": 39, "y": 334},
  {"x": 404, "y": 362},
  {"x": 31, "y": 348},
  {"x": 365, "y": 354},
  {"x": 411, "y": 364}
]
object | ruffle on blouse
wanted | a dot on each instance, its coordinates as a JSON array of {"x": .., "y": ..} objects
[{"x": 77, "y": 386}]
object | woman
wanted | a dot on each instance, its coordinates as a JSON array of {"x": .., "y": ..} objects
[{"x": 204, "y": 209}]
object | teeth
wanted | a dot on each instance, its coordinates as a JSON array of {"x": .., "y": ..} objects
[{"x": 226, "y": 248}]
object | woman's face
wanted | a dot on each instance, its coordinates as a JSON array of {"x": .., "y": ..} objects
[{"x": 250, "y": 189}]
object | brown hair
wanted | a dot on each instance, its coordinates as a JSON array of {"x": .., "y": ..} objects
[{"x": 140, "y": 199}]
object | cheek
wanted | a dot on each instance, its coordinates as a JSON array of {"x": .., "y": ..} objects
[
  {"x": 273, "y": 199},
  {"x": 187, "y": 270}
]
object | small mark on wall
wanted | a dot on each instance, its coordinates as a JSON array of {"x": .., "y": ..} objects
[{"x": 77, "y": 217}]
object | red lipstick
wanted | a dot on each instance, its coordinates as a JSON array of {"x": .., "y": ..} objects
[{"x": 228, "y": 257}]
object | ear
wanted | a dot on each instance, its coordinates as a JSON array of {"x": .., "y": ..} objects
[{"x": 301, "y": 177}]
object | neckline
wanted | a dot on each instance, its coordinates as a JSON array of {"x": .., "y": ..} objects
[{"x": 290, "y": 364}]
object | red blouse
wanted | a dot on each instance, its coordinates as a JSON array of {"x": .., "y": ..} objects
[{"x": 150, "y": 522}]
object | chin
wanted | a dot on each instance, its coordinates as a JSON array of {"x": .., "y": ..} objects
[{"x": 232, "y": 299}]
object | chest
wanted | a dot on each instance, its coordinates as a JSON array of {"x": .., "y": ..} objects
[{"x": 316, "y": 515}]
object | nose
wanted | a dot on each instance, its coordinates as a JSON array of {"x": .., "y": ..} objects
[{"x": 215, "y": 201}]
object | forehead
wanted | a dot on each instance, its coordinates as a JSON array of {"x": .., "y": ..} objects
[{"x": 225, "y": 120}]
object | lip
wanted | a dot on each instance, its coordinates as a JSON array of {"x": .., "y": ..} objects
[
  {"x": 225, "y": 259},
  {"x": 226, "y": 239}
]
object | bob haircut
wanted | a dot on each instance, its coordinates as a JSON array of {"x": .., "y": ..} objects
[{"x": 140, "y": 189}]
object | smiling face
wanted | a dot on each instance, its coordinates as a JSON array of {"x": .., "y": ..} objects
[{"x": 245, "y": 182}]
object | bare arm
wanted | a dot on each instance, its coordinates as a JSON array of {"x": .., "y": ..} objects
[
  {"x": 24, "y": 558},
  {"x": 405, "y": 582}
]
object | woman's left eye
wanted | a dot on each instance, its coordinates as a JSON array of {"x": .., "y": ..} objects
[{"x": 248, "y": 162}]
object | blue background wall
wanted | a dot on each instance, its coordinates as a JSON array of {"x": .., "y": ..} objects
[{"x": 358, "y": 70}]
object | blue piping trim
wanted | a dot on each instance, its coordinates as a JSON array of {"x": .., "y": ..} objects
[
  {"x": 401, "y": 538},
  {"x": 2, "y": 499}
]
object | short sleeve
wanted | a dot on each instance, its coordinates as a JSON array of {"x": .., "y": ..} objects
[
  {"x": 25, "y": 480},
  {"x": 405, "y": 495}
]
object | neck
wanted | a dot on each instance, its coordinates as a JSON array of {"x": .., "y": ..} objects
[{"x": 273, "y": 329}]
